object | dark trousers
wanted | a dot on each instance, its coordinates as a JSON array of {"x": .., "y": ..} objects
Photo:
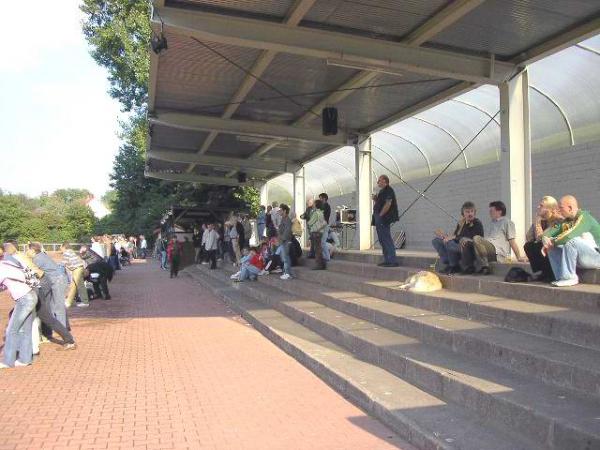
[
  {"x": 44, "y": 312},
  {"x": 315, "y": 243},
  {"x": 212, "y": 257},
  {"x": 174, "y": 266},
  {"x": 384, "y": 235},
  {"x": 101, "y": 287},
  {"x": 478, "y": 254},
  {"x": 538, "y": 262}
]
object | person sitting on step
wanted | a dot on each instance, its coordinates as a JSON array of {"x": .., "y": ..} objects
[
  {"x": 572, "y": 244},
  {"x": 500, "y": 239},
  {"x": 449, "y": 247},
  {"x": 547, "y": 216}
]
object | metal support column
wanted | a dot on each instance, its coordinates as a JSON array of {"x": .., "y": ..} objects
[
  {"x": 515, "y": 157},
  {"x": 299, "y": 200},
  {"x": 364, "y": 190},
  {"x": 264, "y": 194}
]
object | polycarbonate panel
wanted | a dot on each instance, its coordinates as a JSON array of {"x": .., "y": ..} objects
[
  {"x": 548, "y": 127},
  {"x": 397, "y": 153},
  {"x": 437, "y": 146},
  {"x": 467, "y": 125},
  {"x": 570, "y": 78}
]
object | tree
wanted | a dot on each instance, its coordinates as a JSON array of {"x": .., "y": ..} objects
[{"x": 119, "y": 33}]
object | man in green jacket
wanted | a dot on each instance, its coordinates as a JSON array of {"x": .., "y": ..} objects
[{"x": 573, "y": 243}]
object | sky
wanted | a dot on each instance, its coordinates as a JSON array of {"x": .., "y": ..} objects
[{"x": 58, "y": 125}]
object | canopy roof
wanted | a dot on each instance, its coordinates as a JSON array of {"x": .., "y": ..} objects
[{"x": 242, "y": 83}]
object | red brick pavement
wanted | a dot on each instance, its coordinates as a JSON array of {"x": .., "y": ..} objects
[{"x": 165, "y": 365}]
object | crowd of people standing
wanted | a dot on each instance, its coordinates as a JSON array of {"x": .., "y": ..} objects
[{"x": 44, "y": 286}]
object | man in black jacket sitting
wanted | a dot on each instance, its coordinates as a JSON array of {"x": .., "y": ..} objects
[
  {"x": 96, "y": 264},
  {"x": 451, "y": 248}
]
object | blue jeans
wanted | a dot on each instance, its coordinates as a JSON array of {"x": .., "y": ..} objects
[
  {"x": 18, "y": 331},
  {"x": 565, "y": 259},
  {"x": 285, "y": 256},
  {"x": 449, "y": 252},
  {"x": 163, "y": 259},
  {"x": 324, "y": 246},
  {"x": 60, "y": 284},
  {"x": 261, "y": 231},
  {"x": 249, "y": 272},
  {"x": 385, "y": 239}
]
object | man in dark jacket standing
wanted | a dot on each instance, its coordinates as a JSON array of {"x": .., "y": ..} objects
[{"x": 385, "y": 213}]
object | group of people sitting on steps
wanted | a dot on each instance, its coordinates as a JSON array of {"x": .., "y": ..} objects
[{"x": 562, "y": 239}]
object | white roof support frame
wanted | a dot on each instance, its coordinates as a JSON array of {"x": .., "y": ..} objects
[
  {"x": 332, "y": 45},
  {"x": 295, "y": 15},
  {"x": 268, "y": 165},
  {"x": 434, "y": 25},
  {"x": 192, "y": 178},
  {"x": 187, "y": 121}
]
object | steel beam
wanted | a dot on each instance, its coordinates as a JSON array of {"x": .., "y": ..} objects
[
  {"x": 323, "y": 44},
  {"x": 430, "y": 102},
  {"x": 187, "y": 121},
  {"x": 193, "y": 178},
  {"x": 298, "y": 10},
  {"x": 515, "y": 160},
  {"x": 268, "y": 165},
  {"x": 560, "y": 42},
  {"x": 434, "y": 25}
]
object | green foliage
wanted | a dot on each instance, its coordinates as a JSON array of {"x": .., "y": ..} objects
[
  {"x": 62, "y": 216},
  {"x": 119, "y": 33},
  {"x": 249, "y": 197}
]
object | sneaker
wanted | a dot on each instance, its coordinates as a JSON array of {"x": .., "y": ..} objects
[
  {"x": 83, "y": 305},
  {"x": 204, "y": 263},
  {"x": 263, "y": 272},
  {"x": 4, "y": 366},
  {"x": 235, "y": 275},
  {"x": 44, "y": 340},
  {"x": 565, "y": 283},
  {"x": 285, "y": 276},
  {"x": 20, "y": 364},
  {"x": 66, "y": 347},
  {"x": 277, "y": 270}
]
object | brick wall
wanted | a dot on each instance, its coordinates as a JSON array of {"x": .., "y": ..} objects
[{"x": 575, "y": 170}]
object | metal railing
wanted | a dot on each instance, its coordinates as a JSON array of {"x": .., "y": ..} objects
[{"x": 51, "y": 247}]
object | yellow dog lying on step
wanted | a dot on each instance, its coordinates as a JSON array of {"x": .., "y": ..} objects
[{"x": 422, "y": 282}]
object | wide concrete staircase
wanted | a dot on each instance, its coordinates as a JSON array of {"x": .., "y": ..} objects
[{"x": 481, "y": 364}]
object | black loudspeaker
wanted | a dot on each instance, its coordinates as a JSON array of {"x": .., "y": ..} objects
[
  {"x": 330, "y": 121},
  {"x": 242, "y": 178}
]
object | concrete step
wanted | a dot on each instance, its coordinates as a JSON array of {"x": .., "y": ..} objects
[
  {"x": 562, "y": 323},
  {"x": 564, "y": 365},
  {"x": 426, "y": 260},
  {"x": 552, "y": 416},
  {"x": 423, "y": 419},
  {"x": 583, "y": 297}
]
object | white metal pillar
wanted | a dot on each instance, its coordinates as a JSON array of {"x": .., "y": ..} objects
[
  {"x": 264, "y": 194},
  {"x": 516, "y": 152},
  {"x": 364, "y": 190},
  {"x": 299, "y": 199}
]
